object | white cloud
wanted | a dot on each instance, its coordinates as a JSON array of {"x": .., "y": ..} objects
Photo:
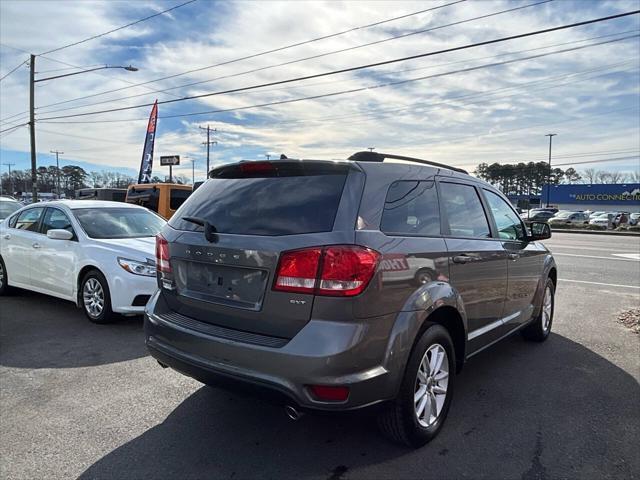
[{"x": 505, "y": 126}]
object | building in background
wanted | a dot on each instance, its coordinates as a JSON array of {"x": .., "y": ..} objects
[{"x": 620, "y": 197}]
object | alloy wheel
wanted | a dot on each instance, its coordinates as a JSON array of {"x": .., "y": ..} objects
[
  {"x": 93, "y": 297},
  {"x": 431, "y": 385},
  {"x": 547, "y": 308},
  {"x": 1, "y": 275}
]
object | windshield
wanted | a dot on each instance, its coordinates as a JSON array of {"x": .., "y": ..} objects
[
  {"x": 7, "y": 208},
  {"x": 118, "y": 222}
]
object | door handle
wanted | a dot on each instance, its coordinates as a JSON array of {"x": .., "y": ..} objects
[
  {"x": 513, "y": 256},
  {"x": 464, "y": 258},
  {"x": 6, "y": 236},
  {"x": 36, "y": 245}
]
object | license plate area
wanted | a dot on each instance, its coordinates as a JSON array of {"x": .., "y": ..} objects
[{"x": 221, "y": 284}]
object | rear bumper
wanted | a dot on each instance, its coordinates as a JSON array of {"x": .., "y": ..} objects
[{"x": 323, "y": 353}]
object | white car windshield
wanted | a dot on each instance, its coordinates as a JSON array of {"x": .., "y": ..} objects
[{"x": 118, "y": 222}]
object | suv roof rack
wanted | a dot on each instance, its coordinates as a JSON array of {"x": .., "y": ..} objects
[{"x": 380, "y": 157}]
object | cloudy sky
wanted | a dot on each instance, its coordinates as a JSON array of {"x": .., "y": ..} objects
[{"x": 483, "y": 104}]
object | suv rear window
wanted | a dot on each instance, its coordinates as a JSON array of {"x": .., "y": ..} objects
[{"x": 282, "y": 201}]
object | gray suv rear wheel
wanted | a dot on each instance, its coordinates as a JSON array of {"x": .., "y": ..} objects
[{"x": 420, "y": 409}]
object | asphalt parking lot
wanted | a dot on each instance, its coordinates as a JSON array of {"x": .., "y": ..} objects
[{"x": 82, "y": 400}]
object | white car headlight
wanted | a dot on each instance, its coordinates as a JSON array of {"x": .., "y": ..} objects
[{"x": 146, "y": 269}]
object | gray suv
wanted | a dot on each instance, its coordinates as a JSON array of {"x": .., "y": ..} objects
[{"x": 339, "y": 285}]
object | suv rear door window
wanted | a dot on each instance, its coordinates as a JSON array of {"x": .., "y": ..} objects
[
  {"x": 508, "y": 222},
  {"x": 411, "y": 208},
  {"x": 463, "y": 210},
  {"x": 280, "y": 200}
]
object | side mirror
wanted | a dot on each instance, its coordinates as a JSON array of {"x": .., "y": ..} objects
[
  {"x": 59, "y": 234},
  {"x": 539, "y": 231}
]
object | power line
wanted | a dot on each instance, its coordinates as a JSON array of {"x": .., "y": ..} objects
[
  {"x": 360, "y": 67},
  {"x": 618, "y": 159},
  {"x": 13, "y": 70},
  {"x": 385, "y": 112},
  {"x": 26, "y": 112},
  {"x": 255, "y": 55},
  {"x": 116, "y": 29},
  {"x": 16, "y": 126},
  {"x": 315, "y": 97},
  {"x": 291, "y": 62},
  {"x": 395, "y": 72}
]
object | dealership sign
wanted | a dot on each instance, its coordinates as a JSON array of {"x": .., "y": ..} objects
[{"x": 605, "y": 194}]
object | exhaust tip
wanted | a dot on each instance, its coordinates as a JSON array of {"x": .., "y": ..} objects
[{"x": 293, "y": 413}]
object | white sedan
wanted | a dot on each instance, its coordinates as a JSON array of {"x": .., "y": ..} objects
[{"x": 100, "y": 255}]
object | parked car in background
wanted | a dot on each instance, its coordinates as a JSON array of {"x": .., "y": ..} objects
[
  {"x": 595, "y": 214},
  {"x": 97, "y": 254},
  {"x": 162, "y": 198},
  {"x": 603, "y": 220},
  {"x": 8, "y": 205},
  {"x": 634, "y": 218},
  {"x": 540, "y": 216},
  {"x": 109, "y": 194},
  {"x": 622, "y": 218},
  {"x": 339, "y": 285},
  {"x": 569, "y": 218}
]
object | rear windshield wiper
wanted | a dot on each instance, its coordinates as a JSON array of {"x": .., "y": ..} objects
[{"x": 210, "y": 232}]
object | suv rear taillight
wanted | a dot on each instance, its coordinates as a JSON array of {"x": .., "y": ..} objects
[
  {"x": 337, "y": 270},
  {"x": 162, "y": 255}
]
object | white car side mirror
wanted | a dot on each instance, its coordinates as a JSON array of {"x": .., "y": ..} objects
[{"x": 59, "y": 234}]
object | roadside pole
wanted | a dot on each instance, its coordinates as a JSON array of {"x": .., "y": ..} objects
[{"x": 32, "y": 128}]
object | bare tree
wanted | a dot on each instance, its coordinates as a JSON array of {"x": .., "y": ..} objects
[
  {"x": 617, "y": 177},
  {"x": 589, "y": 175}
]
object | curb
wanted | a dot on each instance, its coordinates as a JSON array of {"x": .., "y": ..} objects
[{"x": 595, "y": 232}]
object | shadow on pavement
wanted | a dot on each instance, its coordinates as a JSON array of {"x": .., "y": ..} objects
[
  {"x": 38, "y": 331},
  {"x": 521, "y": 410}
]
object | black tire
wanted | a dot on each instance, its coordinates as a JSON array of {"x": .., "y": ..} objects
[
  {"x": 5, "y": 289},
  {"x": 105, "y": 315},
  {"x": 538, "y": 330},
  {"x": 399, "y": 420}
]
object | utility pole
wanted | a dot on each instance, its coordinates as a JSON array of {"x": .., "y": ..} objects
[
  {"x": 550, "y": 135},
  {"x": 57, "y": 170},
  {"x": 32, "y": 121},
  {"x": 208, "y": 143},
  {"x": 32, "y": 128},
  {"x": 10, "y": 177}
]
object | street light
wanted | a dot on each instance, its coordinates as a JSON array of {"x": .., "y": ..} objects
[
  {"x": 550, "y": 135},
  {"x": 32, "y": 123}
]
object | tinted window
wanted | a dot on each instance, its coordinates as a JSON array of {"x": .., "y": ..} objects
[
  {"x": 146, "y": 197},
  {"x": 118, "y": 222},
  {"x": 177, "y": 198},
  {"x": 56, "y": 219},
  {"x": 464, "y": 211},
  {"x": 7, "y": 208},
  {"x": 29, "y": 219},
  {"x": 507, "y": 221},
  {"x": 273, "y": 205},
  {"x": 411, "y": 208}
]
